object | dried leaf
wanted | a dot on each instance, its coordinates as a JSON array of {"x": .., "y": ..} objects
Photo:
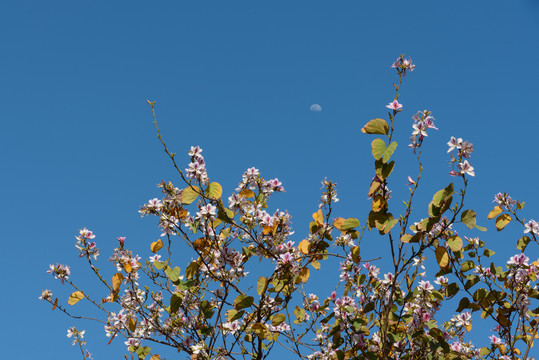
[
  {"x": 156, "y": 245},
  {"x": 117, "y": 281},
  {"x": 304, "y": 246},
  {"x": 75, "y": 297}
]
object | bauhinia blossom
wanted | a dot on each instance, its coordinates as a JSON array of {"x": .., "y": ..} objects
[{"x": 394, "y": 105}]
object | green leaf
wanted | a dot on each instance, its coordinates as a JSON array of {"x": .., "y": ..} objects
[
  {"x": 173, "y": 274},
  {"x": 226, "y": 216},
  {"x": 523, "y": 242},
  {"x": 389, "y": 151},
  {"x": 468, "y": 218},
  {"x": 243, "y": 301},
  {"x": 467, "y": 265},
  {"x": 349, "y": 224},
  {"x": 299, "y": 313},
  {"x": 452, "y": 289},
  {"x": 191, "y": 270},
  {"x": 455, "y": 243},
  {"x": 463, "y": 304},
  {"x": 261, "y": 285},
  {"x": 441, "y": 196},
  {"x": 488, "y": 252},
  {"x": 383, "y": 170},
  {"x": 406, "y": 238},
  {"x": 214, "y": 190},
  {"x": 175, "y": 302},
  {"x": 143, "y": 351},
  {"x": 378, "y": 148},
  {"x": 472, "y": 280},
  {"x": 206, "y": 309},
  {"x": 189, "y": 194},
  {"x": 278, "y": 319},
  {"x": 376, "y": 126},
  {"x": 159, "y": 265},
  {"x": 441, "y": 201},
  {"x": 232, "y": 314}
]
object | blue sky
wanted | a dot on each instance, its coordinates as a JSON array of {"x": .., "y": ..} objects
[{"x": 78, "y": 148}]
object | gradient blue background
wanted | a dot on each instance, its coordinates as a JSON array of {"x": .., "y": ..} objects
[{"x": 78, "y": 148}]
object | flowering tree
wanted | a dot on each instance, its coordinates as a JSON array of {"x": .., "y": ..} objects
[{"x": 212, "y": 308}]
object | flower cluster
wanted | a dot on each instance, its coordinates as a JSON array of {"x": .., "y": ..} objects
[
  {"x": 402, "y": 65},
  {"x": 213, "y": 309},
  {"x": 197, "y": 167},
  {"x": 76, "y": 335},
  {"x": 86, "y": 248},
  {"x": 423, "y": 121},
  {"x": 59, "y": 271},
  {"x": 464, "y": 151},
  {"x": 46, "y": 295}
]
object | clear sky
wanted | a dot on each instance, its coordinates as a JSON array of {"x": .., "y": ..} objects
[{"x": 78, "y": 148}]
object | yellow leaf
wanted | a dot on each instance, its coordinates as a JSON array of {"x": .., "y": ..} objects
[
  {"x": 155, "y": 357},
  {"x": 202, "y": 245},
  {"x": 246, "y": 193},
  {"x": 315, "y": 264},
  {"x": 179, "y": 213},
  {"x": 468, "y": 327},
  {"x": 266, "y": 230},
  {"x": 117, "y": 281},
  {"x": 303, "y": 276},
  {"x": 375, "y": 186},
  {"x": 338, "y": 223},
  {"x": 378, "y": 203},
  {"x": 55, "y": 304},
  {"x": 304, "y": 246},
  {"x": 132, "y": 324},
  {"x": 355, "y": 254},
  {"x": 493, "y": 213},
  {"x": 376, "y": 126},
  {"x": 502, "y": 221},
  {"x": 442, "y": 257},
  {"x": 156, "y": 245},
  {"x": 319, "y": 217},
  {"x": 214, "y": 190},
  {"x": 189, "y": 194},
  {"x": 127, "y": 266},
  {"x": 75, "y": 297},
  {"x": 275, "y": 226},
  {"x": 259, "y": 329}
]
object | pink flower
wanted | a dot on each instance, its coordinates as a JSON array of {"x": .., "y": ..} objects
[
  {"x": 425, "y": 286},
  {"x": 410, "y": 181},
  {"x": 466, "y": 168},
  {"x": 495, "y": 340},
  {"x": 121, "y": 240},
  {"x": 531, "y": 227},
  {"x": 518, "y": 260},
  {"x": 454, "y": 143},
  {"x": 395, "y": 106}
]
